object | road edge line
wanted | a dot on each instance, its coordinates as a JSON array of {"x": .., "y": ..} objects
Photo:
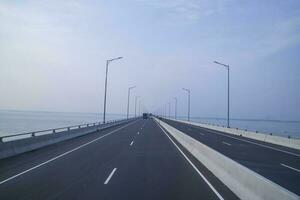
[{"x": 193, "y": 165}]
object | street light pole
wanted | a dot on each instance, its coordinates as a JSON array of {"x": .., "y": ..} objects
[
  {"x": 136, "y": 98},
  {"x": 105, "y": 87},
  {"x": 228, "y": 94},
  {"x": 175, "y": 114},
  {"x": 139, "y": 107},
  {"x": 169, "y": 110},
  {"x": 129, "y": 100},
  {"x": 189, "y": 101}
]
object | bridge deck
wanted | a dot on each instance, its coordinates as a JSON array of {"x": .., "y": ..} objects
[{"x": 133, "y": 161}]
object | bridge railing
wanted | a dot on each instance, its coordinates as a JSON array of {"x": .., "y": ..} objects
[{"x": 8, "y": 138}]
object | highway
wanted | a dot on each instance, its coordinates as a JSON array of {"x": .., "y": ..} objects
[
  {"x": 276, "y": 163},
  {"x": 137, "y": 160}
]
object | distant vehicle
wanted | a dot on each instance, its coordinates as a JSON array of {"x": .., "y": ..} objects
[{"x": 145, "y": 115}]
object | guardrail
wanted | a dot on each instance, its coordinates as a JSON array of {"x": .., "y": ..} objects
[
  {"x": 283, "y": 135},
  {"x": 264, "y": 137},
  {"x": 8, "y": 138},
  {"x": 12, "y": 145},
  {"x": 243, "y": 129},
  {"x": 279, "y": 133}
]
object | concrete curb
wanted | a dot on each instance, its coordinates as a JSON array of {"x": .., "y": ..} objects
[
  {"x": 15, "y": 147},
  {"x": 245, "y": 183},
  {"x": 287, "y": 142}
]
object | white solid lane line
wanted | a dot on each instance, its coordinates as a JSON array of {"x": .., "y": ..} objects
[
  {"x": 109, "y": 177},
  {"x": 131, "y": 143},
  {"x": 61, "y": 155},
  {"x": 297, "y": 170},
  {"x": 226, "y": 143},
  {"x": 202, "y": 176}
]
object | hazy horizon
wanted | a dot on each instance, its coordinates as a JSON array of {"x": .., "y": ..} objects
[{"x": 172, "y": 116}]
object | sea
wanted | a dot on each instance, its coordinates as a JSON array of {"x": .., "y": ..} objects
[
  {"x": 284, "y": 128},
  {"x": 14, "y": 122}
]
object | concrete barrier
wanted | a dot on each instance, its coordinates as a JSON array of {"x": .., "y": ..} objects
[
  {"x": 245, "y": 183},
  {"x": 12, "y": 148},
  {"x": 283, "y": 141}
]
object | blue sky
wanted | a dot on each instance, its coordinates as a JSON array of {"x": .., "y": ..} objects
[{"x": 52, "y": 55}]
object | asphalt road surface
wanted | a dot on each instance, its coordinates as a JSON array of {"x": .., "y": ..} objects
[
  {"x": 277, "y": 163},
  {"x": 137, "y": 160}
]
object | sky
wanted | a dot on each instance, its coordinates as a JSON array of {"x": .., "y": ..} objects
[{"x": 53, "y": 55}]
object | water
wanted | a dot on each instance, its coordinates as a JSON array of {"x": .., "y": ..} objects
[
  {"x": 13, "y": 122},
  {"x": 282, "y": 128}
]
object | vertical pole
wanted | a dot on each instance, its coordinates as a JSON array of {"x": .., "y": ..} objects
[
  {"x": 105, "y": 88},
  {"x": 128, "y": 102},
  {"x": 175, "y": 108},
  {"x": 139, "y": 107},
  {"x": 189, "y": 105},
  {"x": 166, "y": 115},
  {"x": 228, "y": 104},
  {"x": 135, "y": 106},
  {"x": 169, "y": 110}
]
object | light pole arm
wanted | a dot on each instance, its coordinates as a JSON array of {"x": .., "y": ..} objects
[
  {"x": 227, "y": 66},
  {"x": 114, "y": 59}
]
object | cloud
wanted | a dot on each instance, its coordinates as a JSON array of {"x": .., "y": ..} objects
[
  {"x": 274, "y": 38},
  {"x": 190, "y": 10},
  {"x": 39, "y": 15},
  {"x": 281, "y": 35}
]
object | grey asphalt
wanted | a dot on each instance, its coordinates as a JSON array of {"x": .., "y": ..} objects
[
  {"x": 145, "y": 165},
  {"x": 274, "y": 163}
]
